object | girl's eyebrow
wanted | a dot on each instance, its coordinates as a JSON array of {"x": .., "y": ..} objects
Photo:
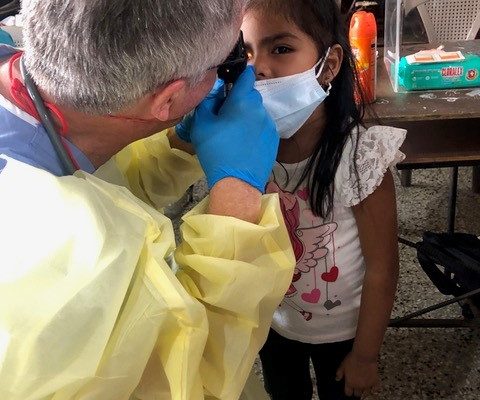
[{"x": 278, "y": 36}]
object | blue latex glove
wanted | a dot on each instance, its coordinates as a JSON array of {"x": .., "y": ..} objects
[
  {"x": 240, "y": 140},
  {"x": 183, "y": 128},
  {"x": 5, "y": 38}
]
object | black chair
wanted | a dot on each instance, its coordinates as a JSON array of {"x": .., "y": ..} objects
[{"x": 452, "y": 262}]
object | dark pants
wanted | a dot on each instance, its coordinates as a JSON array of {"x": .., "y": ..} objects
[{"x": 286, "y": 368}]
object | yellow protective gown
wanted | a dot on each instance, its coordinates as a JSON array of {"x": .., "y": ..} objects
[{"x": 91, "y": 310}]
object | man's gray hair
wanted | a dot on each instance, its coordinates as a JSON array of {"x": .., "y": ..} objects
[{"x": 100, "y": 56}]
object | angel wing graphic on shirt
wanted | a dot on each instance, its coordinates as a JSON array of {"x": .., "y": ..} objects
[{"x": 315, "y": 240}]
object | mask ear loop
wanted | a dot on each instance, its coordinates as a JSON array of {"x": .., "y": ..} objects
[
  {"x": 322, "y": 62},
  {"x": 320, "y": 69},
  {"x": 329, "y": 88}
]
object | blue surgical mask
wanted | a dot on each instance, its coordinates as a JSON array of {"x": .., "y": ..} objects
[{"x": 292, "y": 99}]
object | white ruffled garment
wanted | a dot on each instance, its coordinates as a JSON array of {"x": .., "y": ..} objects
[{"x": 323, "y": 301}]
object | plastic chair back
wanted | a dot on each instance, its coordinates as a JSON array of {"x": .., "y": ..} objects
[{"x": 448, "y": 20}]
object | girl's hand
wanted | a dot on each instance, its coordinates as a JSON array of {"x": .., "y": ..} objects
[{"x": 361, "y": 376}]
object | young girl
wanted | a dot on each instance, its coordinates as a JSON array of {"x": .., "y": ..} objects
[{"x": 337, "y": 196}]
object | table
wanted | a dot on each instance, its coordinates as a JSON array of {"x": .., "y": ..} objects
[
  {"x": 443, "y": 125},
  {"x": 443, "y": 131},
  {"x": 430, "y": 105}
]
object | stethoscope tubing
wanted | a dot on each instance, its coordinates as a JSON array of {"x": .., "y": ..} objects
[{"x": 47, "y": 121}]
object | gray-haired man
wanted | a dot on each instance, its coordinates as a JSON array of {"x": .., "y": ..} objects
[{"x": 89, "y": 308}]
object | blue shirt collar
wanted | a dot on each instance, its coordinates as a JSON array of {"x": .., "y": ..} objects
[{"x": 40, "y": 139}]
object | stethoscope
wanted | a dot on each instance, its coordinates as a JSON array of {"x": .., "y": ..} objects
[{"x": 47, "y": 121}]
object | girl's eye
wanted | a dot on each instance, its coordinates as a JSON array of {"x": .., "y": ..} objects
[{"x": 281, "y": 50}]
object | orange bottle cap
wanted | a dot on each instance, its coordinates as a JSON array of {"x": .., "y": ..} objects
[{"x": 363, "y": 24}]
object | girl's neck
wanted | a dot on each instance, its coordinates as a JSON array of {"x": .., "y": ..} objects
[{"x": 302, "y": 145}]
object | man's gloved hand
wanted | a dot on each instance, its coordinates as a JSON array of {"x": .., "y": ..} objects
[
  {"x": 240, "y": 140},
  {"x": 182, "y": 129}
]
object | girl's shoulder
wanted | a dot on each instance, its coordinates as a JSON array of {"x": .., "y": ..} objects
[{"x": 367, "y": 155}]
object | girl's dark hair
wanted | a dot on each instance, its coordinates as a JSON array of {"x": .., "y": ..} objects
[{"x": 321, "y": 20}]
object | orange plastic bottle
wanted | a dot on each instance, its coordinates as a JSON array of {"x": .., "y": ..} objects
[{"x": 363, "y": 40}]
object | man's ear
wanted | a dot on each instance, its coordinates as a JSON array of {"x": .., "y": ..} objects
[
  {"x": 164, "y": 98},
  {"x": 332, "y": 65}
]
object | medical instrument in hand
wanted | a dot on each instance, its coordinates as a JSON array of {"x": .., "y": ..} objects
[
  {"x": 230, "y": 145},
  {"x": 47, "y": 121},
  {"x": 234, "y": 65}
]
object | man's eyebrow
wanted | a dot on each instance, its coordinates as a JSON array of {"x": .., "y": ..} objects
[{"x": 278, "y": 36}]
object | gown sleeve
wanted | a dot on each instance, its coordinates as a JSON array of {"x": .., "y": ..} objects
[
  {"x": 152, "y": 170},
  {"x": 91, "y": 309}
]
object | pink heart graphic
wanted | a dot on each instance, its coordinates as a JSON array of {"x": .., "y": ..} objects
[
  {"x": 330, "y": 276},
  {"x": 312, "y": 297},
  {"x": 303, "y": 194}
]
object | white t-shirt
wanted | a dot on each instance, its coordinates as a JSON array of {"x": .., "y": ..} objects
[{"x": 323, "y": 301}]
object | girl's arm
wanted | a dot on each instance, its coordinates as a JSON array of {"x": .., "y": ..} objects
[{"x": 376, "y": 219}]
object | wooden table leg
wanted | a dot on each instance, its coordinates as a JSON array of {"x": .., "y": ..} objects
[{"x": 476, "y": 179}]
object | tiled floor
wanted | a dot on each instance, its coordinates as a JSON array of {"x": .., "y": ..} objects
[
  {"x": 437, "y": 364},
  {"x": 433, "y": 364}
]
